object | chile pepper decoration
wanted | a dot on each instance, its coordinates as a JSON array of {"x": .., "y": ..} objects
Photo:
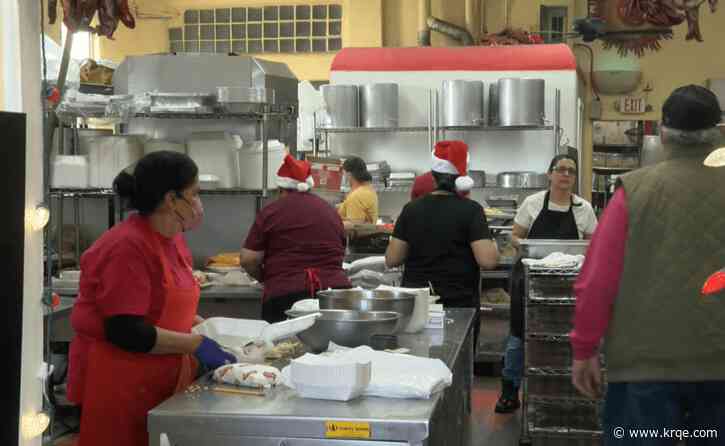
[{"x": 714, "y": 284}]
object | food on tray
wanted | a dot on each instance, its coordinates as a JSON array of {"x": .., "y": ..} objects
[
  {"x": 285, "y": 350},
  {"x": 495, "y": 213},
  {"x": 225, "y": 259},
  {"x": 201, "y": 277},
  {"x": 496, "y": 296},
  {"x": 248, "y": 375}
]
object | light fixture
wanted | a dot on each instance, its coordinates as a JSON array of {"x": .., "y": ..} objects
[
  {"x": 34, "y": 424},
  {"x": 39, "y": 217},
  {"x": 716, "y": 158}
]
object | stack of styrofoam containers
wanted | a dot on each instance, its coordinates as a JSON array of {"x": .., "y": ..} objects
[
  {"x": 109, "y": 155},
  {"x": 317, "y": 377},
  {"x": 249, "y": 164}
]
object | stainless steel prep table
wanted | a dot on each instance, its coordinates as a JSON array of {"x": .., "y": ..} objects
[
  {"x": 242, "y": 302},
  {"x": 283, "y": 418}
]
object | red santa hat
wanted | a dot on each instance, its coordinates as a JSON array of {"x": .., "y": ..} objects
[
  {"x": 295, "y": 174},
  {"x": 451, "y": 157}
]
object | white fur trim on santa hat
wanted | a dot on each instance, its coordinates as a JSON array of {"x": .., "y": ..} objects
[
  {"x": 289, "y": 183},
  {"x": 464, "y": 184},
  {"x": 443, "y": 166}
]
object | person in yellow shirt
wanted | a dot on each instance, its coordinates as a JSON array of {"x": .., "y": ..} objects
[{"x": 361, "y": 204}]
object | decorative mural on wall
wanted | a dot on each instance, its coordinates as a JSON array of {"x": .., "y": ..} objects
[{"x": 639, "y": 25}]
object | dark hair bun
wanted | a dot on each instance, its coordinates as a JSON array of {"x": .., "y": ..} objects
[
  {"x": 125, "y": 186},
  {"x": 154, "y": 176}
]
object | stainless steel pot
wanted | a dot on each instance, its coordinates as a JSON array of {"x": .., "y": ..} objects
[
  {"x": 462, "y": 103},
  {"x": 379, "y": 105},
  {"x": 342, "y": 105},
  {"x": 522, "y": 180},
  {"x": 493, "y": 105},
  {"x": 652, "y": 150},
  {"x": 521, "y": 102}
]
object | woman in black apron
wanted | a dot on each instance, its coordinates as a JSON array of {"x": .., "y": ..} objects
[{"x": 549, "y": 224}]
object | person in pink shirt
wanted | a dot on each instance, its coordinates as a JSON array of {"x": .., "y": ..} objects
[{"x": 658, "y": 241}]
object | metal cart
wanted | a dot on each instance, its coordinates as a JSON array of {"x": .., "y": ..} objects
[{"x": 553, "y": 412}]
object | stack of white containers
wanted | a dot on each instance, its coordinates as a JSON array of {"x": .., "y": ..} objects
[{"x": 109, "y": 155}]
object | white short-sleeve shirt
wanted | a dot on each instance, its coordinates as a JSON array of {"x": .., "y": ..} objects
[{"x": 586, "y": 219}]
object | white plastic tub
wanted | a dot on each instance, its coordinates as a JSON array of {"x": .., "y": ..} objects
[
  {"x": 249, "y": 164},
  {"x": 213, "y": 152},
  {"x": 70, "y": 171}
]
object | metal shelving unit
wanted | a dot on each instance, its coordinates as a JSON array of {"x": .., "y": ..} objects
[
  {"x": 435, "y": 130},
  {"x": 553, "y": 412},
  {"x": 115, "y": 210}
]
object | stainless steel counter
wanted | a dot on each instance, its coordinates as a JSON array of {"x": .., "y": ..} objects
[{"x": 283, "y": 418}]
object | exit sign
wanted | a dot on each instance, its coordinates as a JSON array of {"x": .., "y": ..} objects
[{"x": 632, "y": 105}]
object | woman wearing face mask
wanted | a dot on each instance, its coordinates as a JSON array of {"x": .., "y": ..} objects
[{"x": 133, "y": 347}]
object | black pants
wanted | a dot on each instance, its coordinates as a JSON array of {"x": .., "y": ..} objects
[{"x": 274, "y": 308}]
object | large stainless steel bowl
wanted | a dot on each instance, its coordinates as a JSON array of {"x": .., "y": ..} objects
[
  {"x": 370, "y": 300},
  {"x": 346, "y": 327}
]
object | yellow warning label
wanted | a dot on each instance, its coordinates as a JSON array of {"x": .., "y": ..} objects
[{"x": 346, "y": 429}]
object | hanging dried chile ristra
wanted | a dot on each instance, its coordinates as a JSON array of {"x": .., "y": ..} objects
[{"x": 125, "y": 14}]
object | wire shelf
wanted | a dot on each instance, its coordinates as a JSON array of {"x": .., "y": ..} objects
[
  {"x": 544, "y": 271},
  {"x": 486, "y": 128},
  {"x": 108, "y": 193},
  {"x": 372, "y": 129},
  {"x": 565, "y": 431},
  {"x": 553, "y": 301},
  {"x": 548, "y": 371},
  {"x": 548, "y": 337}
]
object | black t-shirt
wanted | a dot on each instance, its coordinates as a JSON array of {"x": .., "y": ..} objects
[{"x": 439, "y": 230}]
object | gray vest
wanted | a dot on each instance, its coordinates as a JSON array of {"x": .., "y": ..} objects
[{"x": 662, "y": 329}]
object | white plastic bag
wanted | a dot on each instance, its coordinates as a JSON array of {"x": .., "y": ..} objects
[
  {"x": 372, "y": 263},
  {"x": 306, "y": 306},
  {"x": 393, "y": 375},
  {"x": 370, "y": 280}
]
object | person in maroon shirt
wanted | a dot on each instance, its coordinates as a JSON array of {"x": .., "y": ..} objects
[
  {"x": 296, "y": 245},
  {"x": 423, "y": 185}
]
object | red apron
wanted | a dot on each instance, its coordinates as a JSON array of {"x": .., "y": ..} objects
[{"x": 121, "y": 387}]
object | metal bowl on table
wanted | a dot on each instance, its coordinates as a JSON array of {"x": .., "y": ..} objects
[
  {"x": 369, "y": 300},
  {"x": 346, "y": 327}
]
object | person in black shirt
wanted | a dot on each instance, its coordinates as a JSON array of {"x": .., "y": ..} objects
[{"x": 443, "y": 238}]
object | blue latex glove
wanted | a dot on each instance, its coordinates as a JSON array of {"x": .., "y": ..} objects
[{"x": 211, "y": 355}]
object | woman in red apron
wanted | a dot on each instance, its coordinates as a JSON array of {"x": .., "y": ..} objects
[{"x": 138, "y": 298}]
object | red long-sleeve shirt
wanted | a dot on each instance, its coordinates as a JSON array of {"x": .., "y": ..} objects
[{"x": 598, "y": 283}]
